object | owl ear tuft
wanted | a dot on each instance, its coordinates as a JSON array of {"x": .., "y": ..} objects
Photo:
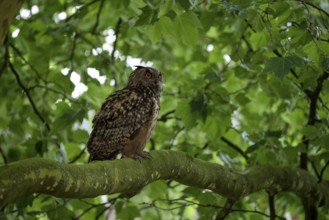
[{"x": 140, "y": 67}]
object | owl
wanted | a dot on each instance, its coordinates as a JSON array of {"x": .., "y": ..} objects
[{"x": 127, "y": 118}]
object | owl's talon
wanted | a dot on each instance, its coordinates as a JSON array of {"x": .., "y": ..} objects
[
  {"x": 140, "y": 156},
  {"x": 146, "y": 154}
]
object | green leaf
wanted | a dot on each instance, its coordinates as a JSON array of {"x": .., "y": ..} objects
[
  {"x": 129, "y": 212},
  {"x": 24, "y": 202},
  {"x": 310, "y": 131},
  {"x": 148, "y": 16},
  {"x": 242, "y": 99},
  {"x": 187, "y": 25},
  {"x": 278, "y": 65},
  {"x": 163, "y": 28},
  {"x": 255, "y": 146},
  {"x": 66, "y": 119},
  {"x": 322, "y": 141},
  {"x": 183, "y": 110},
  {"x": 259, "y": 40},
  {"x": 60, "y": 213}
]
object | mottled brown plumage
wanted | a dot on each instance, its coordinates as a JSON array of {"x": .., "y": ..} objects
[{"x": 127, "y": 118}]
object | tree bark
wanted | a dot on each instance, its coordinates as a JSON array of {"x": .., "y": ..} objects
[
  {"x": 37, "y": 175},
  {"x": 8, "y": 10}
]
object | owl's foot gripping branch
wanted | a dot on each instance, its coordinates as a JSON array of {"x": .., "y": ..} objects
[{"x": 36, "y": 175}]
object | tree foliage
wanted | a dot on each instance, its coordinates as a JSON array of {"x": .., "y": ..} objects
[{"x": 245, "y": 85}]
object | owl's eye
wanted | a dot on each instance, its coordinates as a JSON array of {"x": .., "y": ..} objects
[{"x": 148, "y": 75}]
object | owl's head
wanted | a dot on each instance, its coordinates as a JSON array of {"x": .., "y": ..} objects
[{"x": 146, "y": 77}]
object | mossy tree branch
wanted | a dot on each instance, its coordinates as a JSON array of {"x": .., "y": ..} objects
[{"x": 36, "y": 175}]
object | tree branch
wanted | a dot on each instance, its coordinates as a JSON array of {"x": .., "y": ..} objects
[{"x": 37, "y": 175}]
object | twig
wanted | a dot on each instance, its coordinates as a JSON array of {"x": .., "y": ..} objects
[
  {"x": 98, "y": 16},
  {"x": 26, "y": 91},
  {"x": 235, "y": 147}
]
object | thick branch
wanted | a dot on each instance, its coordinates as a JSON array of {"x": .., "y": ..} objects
[
  {"x": 8, "y": 10},
  {"x": 22, "y": 178}
]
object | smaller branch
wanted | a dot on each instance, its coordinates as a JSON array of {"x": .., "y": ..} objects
[
  {"x": 19, "y": 53},
  {"x": 314, "y": 168},
  {"x": 250, "y": 26},
  {"x": 293, "y": 72},
  {"x": 98, "y": 16},
  {"x": 271, "y": 204},
  {"x": 116, "y": 33},
  {"x": 322, "y": 171},
  {"x": 205, "y": 146},
  {"x": 314, "y": 6},
  {"x": 323, "y": 104},
  {"x": 82, "y": 152},
  {"x": 80, "y": 9},
  {"x": 185, "y": 203},
  {"x": 4, "y": 158},
  {"x": 26, "y": 91},
  {"x": 52, "y": 90},
  {"x": 225, "y": 210},
  {"x": 101, "y": 213},
  {"x": 110, "y": 203},
  {"x": 235, "y": 147},
  {"x": 175, "y": 136},
  {"x": 165, "y": 117},
  {"x": 6, "y": 57},
  {"x": 74, "y": 43}
]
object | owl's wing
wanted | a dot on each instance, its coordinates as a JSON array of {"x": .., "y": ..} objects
[{"x": 120, "y": 117}]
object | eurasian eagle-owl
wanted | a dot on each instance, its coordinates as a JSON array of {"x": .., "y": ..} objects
[{"x": 127, "y": 118}]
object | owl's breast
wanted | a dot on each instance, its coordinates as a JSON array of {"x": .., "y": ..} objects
[
  {"x": 154, "y": 115},
  {"x": 146, "y": 129}
]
